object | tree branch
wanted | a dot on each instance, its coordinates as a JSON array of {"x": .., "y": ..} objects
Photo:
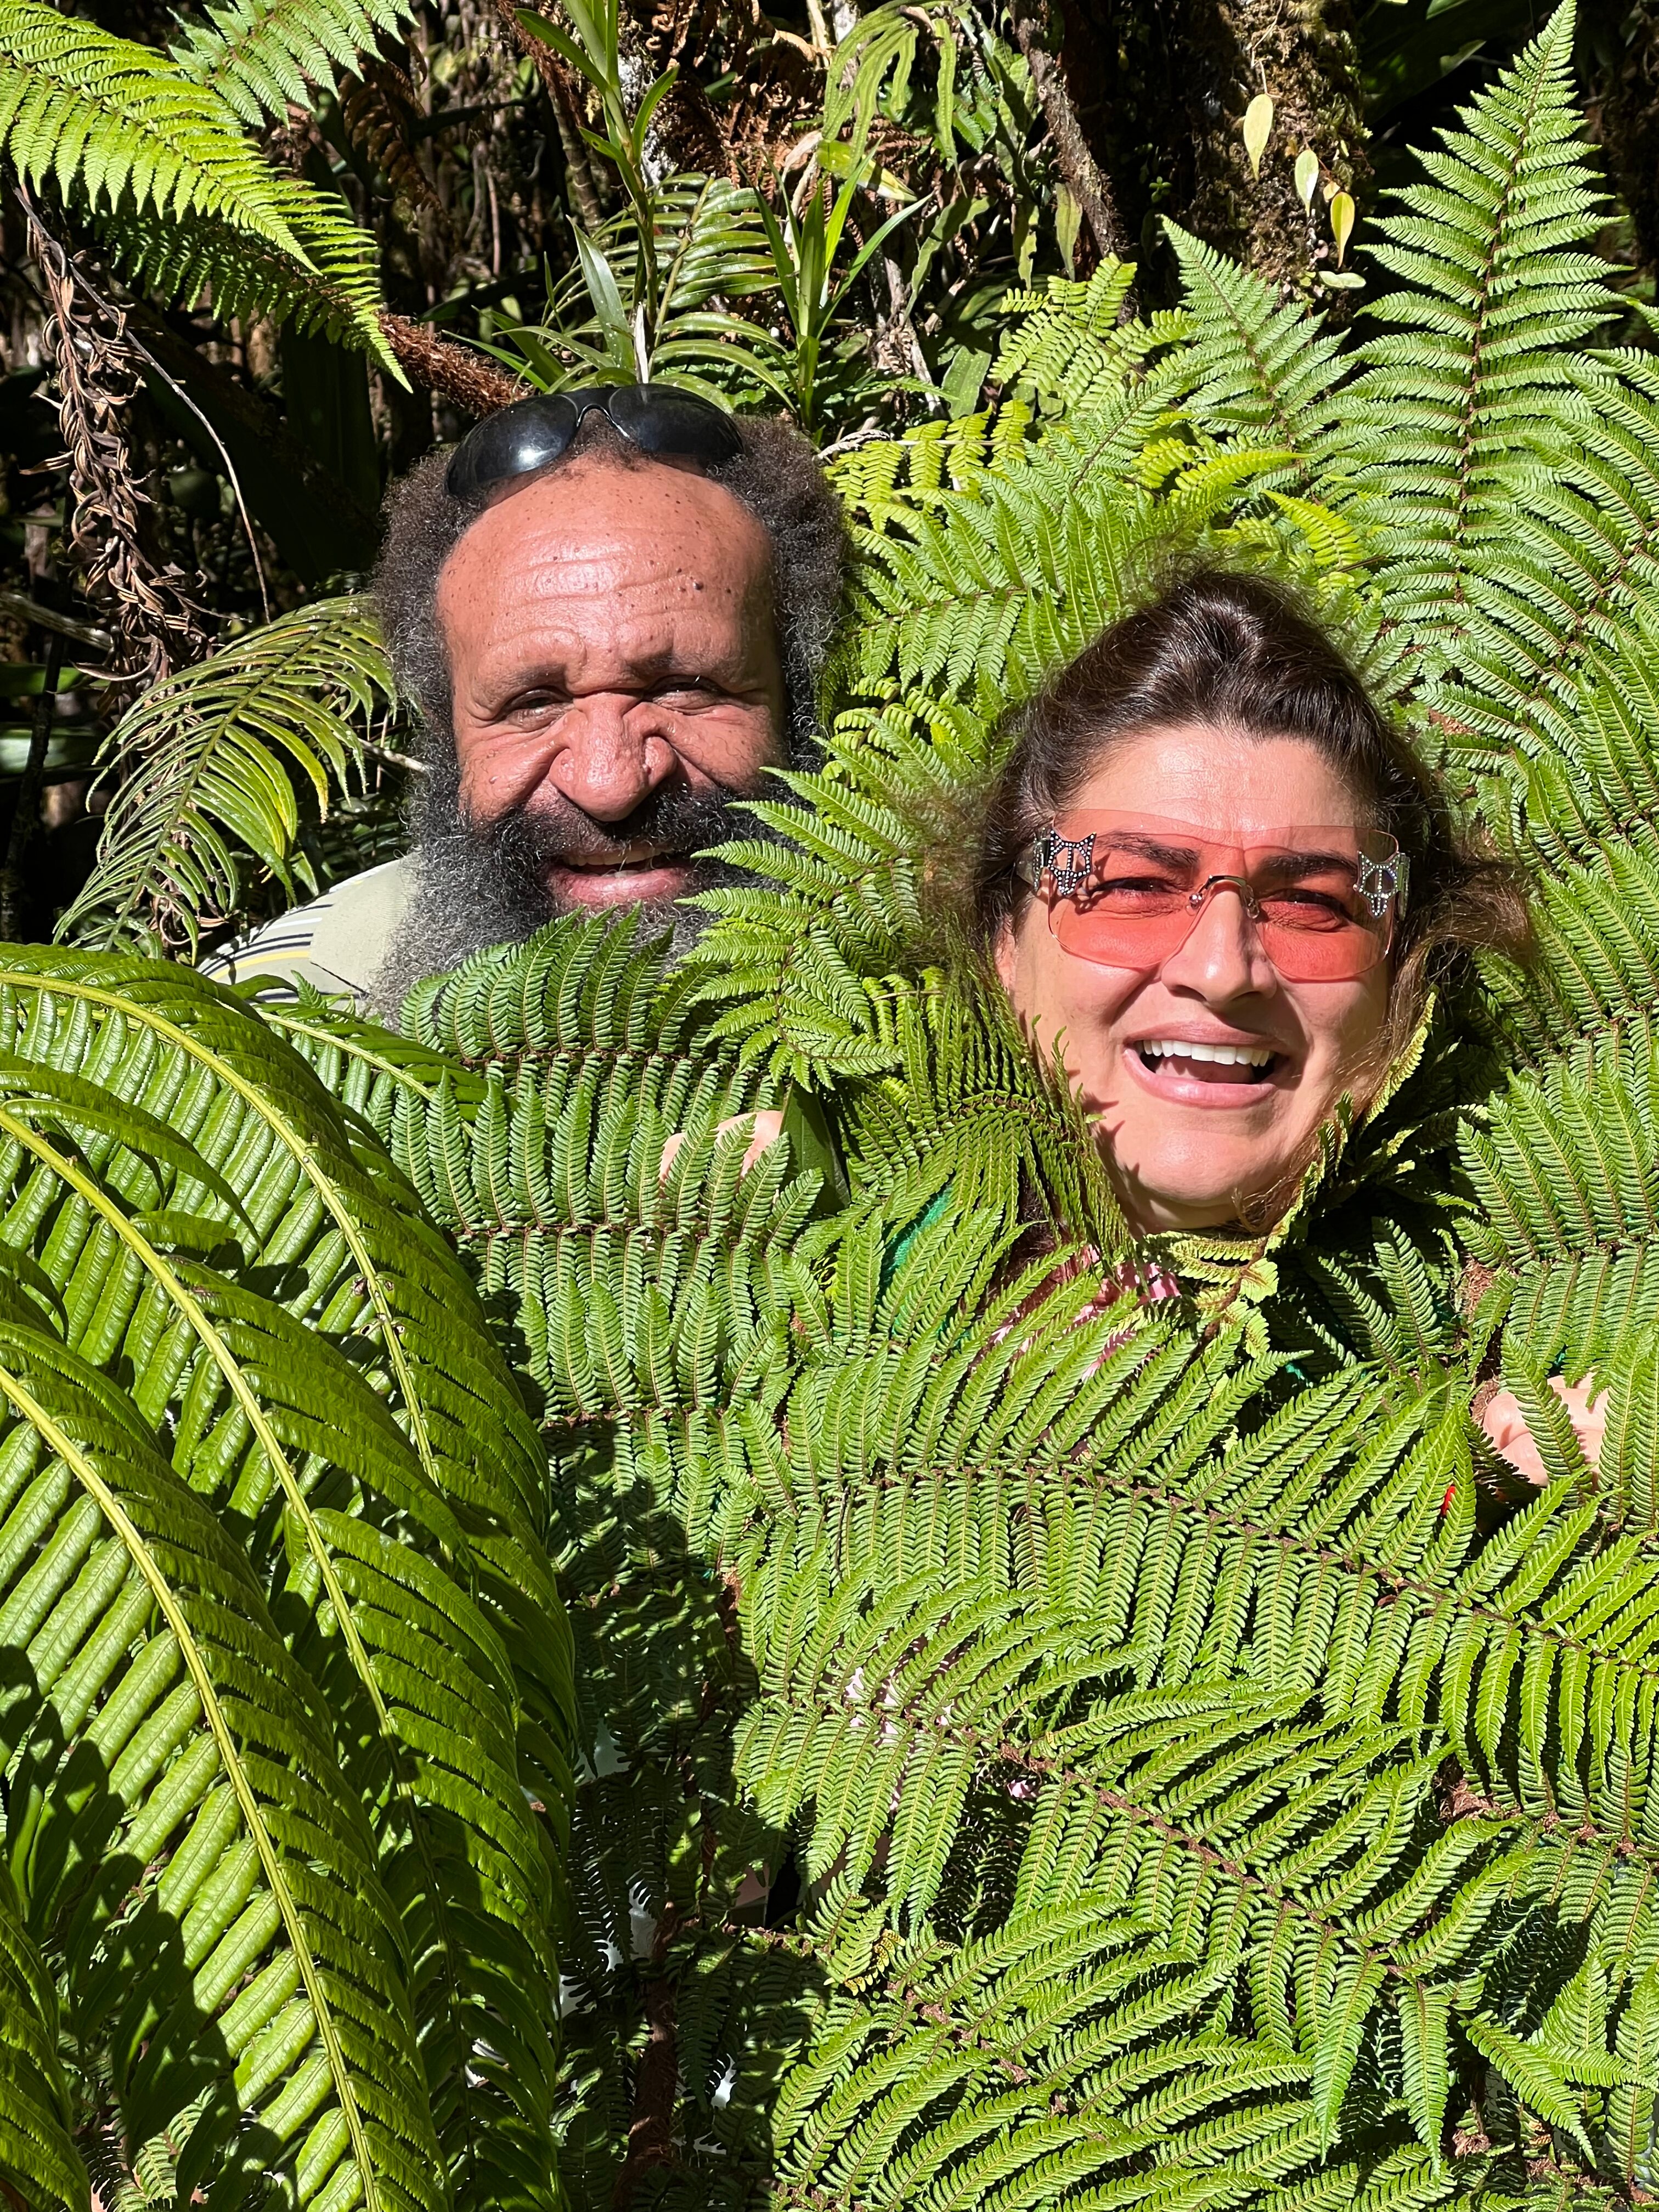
[
  {"x": 562, "y": 97},
  {"x": 656, "y": 2086},
  {"x": 1081, "y": 174}
]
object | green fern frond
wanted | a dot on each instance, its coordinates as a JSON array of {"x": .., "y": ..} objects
[
  {"x": 1072, "y": 2050},
  {"x": 1258, "y": 370},
  {"x": 107, "y": 119},
  {"x": 1457, "y": 414},
  {"x": 336, "y": 291},
  {"x": 257, "y": 1811},
  {"x": 159, "y": 160},
  {"x": 1070, "y": 347},
  {"x": 212, "y": 753},
  {"x": 364, "y": 1439},
  {"x": 258, "y": 54},
  {"x": 37, "y": 2150}
]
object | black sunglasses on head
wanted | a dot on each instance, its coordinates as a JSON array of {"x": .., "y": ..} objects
[{"x": 658, "y": 418}]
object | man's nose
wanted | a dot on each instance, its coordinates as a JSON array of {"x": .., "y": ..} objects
[
  {"x": 1223, "y": 957},
  {"x": 611, "y": 755}
]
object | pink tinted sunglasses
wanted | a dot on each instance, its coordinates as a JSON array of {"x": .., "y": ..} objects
[{"x": 1126, "y": 891}]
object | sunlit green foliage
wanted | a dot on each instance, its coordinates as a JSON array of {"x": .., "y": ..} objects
[
  {"x": 276, "y": 1897},
  {"x": 1047, "y": 1750}
]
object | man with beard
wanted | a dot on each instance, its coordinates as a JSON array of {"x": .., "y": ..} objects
[{"x": 610, "y": 610}]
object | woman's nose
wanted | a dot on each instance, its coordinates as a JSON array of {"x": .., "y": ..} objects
[
  {"x": 611, "y": 754},
  {"x": 1223, "y": 958}
]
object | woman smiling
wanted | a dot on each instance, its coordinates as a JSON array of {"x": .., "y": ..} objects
[{"x": 1218, "y": 885}]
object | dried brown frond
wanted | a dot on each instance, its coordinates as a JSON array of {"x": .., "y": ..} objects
[
  {"x": 780, "y": 96},
  {"x": 378, "y": 109},
  {"x": 96, "y": 369}
]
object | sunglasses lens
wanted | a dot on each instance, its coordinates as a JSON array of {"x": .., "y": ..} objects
[
  {"x": 1335, "y": 955},
  {"x": 1129, "y": 892},
  {"x": 515, "y": 442},
  {"x": 660, "y": 418},
  {"x": 1145, "y": 941},
  {"x": 1140, "y": 941}
]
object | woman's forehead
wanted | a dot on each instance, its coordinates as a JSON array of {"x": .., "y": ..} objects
[{"x": 1219, "y": 779}]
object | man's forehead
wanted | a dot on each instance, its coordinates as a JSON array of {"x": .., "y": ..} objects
[{"x": 596, "y": 528}]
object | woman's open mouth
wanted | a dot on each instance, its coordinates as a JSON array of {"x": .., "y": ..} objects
[{"x": 1188, "y": 1072}]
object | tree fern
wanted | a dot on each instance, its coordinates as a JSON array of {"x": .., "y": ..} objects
[
  {"x": 37, "y": 2153},
  {"x": 134, "y": 141},
  {"x": 335, "y": 290},
  {"x": 258, "y": 54},
  {"x": 1495, "y": 285},
  {"x": 927, "y": 1497},
  {"x": 1173, "y": 1761}
]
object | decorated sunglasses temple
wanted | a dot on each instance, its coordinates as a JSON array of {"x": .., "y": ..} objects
[
  {"x": 1069, "y": 862},
  {"x": 1379, "y": 881}
]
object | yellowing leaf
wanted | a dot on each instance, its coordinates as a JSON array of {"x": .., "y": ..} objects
[
  {"x": 1258, "y": 129},
  {"x": 1068, "y": 221},
  {"x": 1307, "y": 175},
  {"x": 1342, "y": 223}
]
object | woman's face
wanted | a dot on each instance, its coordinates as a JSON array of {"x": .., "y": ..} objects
[{"x": 1187, "y": 1138}]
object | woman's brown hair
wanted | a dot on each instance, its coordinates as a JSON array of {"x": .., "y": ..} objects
[{"x": 1241, "y": 653}]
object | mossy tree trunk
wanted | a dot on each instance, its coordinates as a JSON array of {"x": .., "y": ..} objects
[
  {"x": 1301, "y": 53},
  {"x": 1622, "y": 71},
  {"x": 1161, "y": 92}
]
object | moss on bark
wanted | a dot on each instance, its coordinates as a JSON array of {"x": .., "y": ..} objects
[
  {"x": 1302, "y": 54},
  {"x": 1161, "y": 94}
]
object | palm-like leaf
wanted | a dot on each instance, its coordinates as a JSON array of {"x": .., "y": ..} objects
[
  {"x": 708, "y": 242},
  {"x": 346, "y": 1418}
]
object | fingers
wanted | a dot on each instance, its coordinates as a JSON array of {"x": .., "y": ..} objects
[
  {"x": 1587, "y": 1407},
  {"x": 1506, "y": 1429},
  {"x": 1505, "y": 1426},
  {"x": 769, "y": 1127}
]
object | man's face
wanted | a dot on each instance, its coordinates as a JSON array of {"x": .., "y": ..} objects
[{"x": 614, "y": 653}]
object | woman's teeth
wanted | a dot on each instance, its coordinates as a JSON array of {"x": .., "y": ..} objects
[{"x": 1206, "y": 1062}]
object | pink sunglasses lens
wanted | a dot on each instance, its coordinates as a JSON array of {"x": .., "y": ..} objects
[{"x": 1126, "y": 888}]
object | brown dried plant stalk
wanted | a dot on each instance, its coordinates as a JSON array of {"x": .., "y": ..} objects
[{"x": 96, "y": 369}]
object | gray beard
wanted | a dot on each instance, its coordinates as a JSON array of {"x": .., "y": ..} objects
[{"x": 477, "y": 887}]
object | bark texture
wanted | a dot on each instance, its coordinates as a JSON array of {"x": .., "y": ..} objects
[
  {"x": 1160, "y": 94},
  {"x": 1624, "y": 112},
  {"x": 1084, "y": 177},
  {"x": 1302, "y": 54}
]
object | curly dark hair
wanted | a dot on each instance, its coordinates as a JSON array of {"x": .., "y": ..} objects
[
  {"x": 1243, "y": 652},
  {"x": 776, "y": 474}
]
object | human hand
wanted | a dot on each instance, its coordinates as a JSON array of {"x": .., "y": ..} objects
[
  {"x": 769, "y": 1127},
  {"x": 1506, "y": 1429}
]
